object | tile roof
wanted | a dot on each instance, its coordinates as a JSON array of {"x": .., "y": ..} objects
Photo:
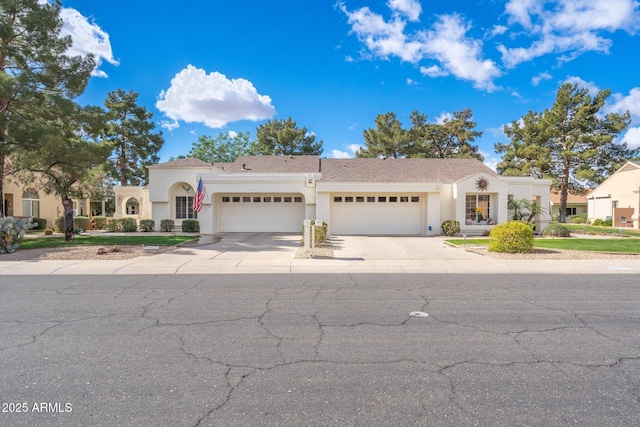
[
  {"x": 401, "y": 170},
  {"x": 554, "y": 197}
]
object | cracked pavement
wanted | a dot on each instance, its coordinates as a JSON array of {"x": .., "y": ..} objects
[{"x": 321, "y": 350}]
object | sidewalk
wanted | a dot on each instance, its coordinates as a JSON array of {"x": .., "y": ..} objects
[{"x": 275, "y": 253}]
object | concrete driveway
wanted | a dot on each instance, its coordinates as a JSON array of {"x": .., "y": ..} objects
[{"x": 264, "y": 253}]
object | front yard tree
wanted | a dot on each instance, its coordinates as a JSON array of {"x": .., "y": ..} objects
[
  {"x": 387, "y": 139},
  {"x": 32, "y": 64},
  {"x": 571, "y": 143},
  {"x": 130, "y": 131},
  {"x": 223, "y": 148},
  {"x": 70, "y": 157},
  {"x": 282, "y": 137}
]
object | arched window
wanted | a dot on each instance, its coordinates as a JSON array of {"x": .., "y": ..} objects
[
  {"x": 133, "y": 206},
  {"x": 30, "y": 203}
]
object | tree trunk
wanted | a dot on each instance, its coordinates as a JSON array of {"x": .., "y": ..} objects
[
  {"x": 67, "y": 203},
  {"x": 2, "y": 212},
  {"x": 564, "y": 191}
]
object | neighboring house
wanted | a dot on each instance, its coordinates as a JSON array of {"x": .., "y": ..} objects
[
  {"x": 29, "y": 200},
  {"x": 618, "y": 197},
  {"x": 576, "y": 205},
  {"x": 354, "y": 196}
]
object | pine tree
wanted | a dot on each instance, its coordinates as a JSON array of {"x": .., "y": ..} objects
[
  {"x": 33, "y": 65},
  {"x": 129, "y": 130},
  {"x": 571, "y": 143}
]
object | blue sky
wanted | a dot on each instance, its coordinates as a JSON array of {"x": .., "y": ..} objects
[{"x": 203, "y": 67}]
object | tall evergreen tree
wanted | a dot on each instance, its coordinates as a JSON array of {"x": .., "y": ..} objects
[
  {"x": 387, "y": 139},
  {"x": 70, "y": 156},
  {"x": 452, "y": 138},
  {"x": 571, "y": 143},
  {"x": 33, "y": 66},
  {"x": 129, "y": 129},
  {"x": 282, "y": 137}
]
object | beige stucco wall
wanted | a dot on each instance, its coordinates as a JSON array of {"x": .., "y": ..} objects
[{"x": 621, "y": 189}]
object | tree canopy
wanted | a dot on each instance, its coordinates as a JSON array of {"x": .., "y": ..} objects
[
  {"x": 449, "y": 138},
  {"x": 223, "y": 148},
  {"x": 572, "y": 143},
  {"x": 33, "y": 65},
  {"x": 70, "y": 157},
  {"x": 129, "y": 130},
  {"x": 283, "y": 137}
]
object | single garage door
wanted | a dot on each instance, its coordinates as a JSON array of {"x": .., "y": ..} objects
[
  {"x": 371, "y": 214},
  {"x": 261, "y": 212}
]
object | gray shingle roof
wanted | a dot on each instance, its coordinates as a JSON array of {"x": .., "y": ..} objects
[
  {"x": 274, "y": 164},
  {"x": 181, "y": 163},
  {"x": 401, "y": 170}
]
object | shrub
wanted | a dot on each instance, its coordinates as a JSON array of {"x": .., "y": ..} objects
[
  {"x": 81, "y": 222},
  {"x": 48, "y": 232},
  {"x": 190, "y": 226},
  {"x": 450, "y": 227},
  {"x": 101, "y": 222},
  {"x": 12, "y": 230},
  {"x": 114, "y": 225},
  {"x": 147, "y": 225},
  {"x": 511, "y": 237},
  {"x": 556, "y": 229},
  {"x": 576, "y": 219},
  {"x": 58, "y": 224},
  {"x": 321, "y": 231},
  {"x": 129, "y": 225},
  {"x": 603, "y": 222},
  {"x": 166, "y": 225},
  {"x": 39, "y": 223}
]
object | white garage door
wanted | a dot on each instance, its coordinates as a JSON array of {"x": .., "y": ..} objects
[
  {"x": 261, "y": 212},
  {"x": 372, "y": 214}
]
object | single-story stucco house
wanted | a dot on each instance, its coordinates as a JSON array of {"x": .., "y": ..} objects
[
  {"x": 576, "y": 204},
  {"x": 618, "y": 197},
  {"x": 407, "y": 196}
]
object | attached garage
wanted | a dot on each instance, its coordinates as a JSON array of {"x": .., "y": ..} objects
[
  {"x": 371, "y": 214},
  {"x": 260, "y": 212}
]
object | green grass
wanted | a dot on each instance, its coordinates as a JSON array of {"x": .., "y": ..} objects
[
  {"x": 580, "y": 228},
  {"x": 55, "y": 242},
  {"x": 576, "y": 244}
]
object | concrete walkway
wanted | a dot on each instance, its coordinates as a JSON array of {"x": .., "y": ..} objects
[{"x": 262, "y": 253}]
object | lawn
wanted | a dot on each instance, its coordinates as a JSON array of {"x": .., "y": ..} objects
[
  {"x": 137, "y": 239},
  {"x": 621, "y": 245},
  {"x": 590, "y": 229}
]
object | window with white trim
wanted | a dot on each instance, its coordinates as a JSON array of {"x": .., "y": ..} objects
[
  {"x": 184, "y": 208},
  {"x": 30, "y": 203}
]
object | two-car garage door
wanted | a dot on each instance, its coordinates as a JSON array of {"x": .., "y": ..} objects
[
  {"x": 371, "y": 214},
  {"x": 260, "y": 212}
]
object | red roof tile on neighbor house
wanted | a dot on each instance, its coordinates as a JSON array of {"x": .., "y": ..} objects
[{"x": 554, "y": 197}]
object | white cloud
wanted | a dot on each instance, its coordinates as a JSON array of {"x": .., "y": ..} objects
[
  {"x": 535, "y": 81},
  {"x": 568, "y": 27},
  {"x": 88, "y": 38},
  {"x": 351, "y": 150},
  {"x": 411, "y": 82},
  {"x": 623, "y": 103},
  {"x": 409, "y": 8},
  {"x": 232, "y": 134},
  {"x": 498, "y": 30},
  {"x": 337, "y": 154},
  {"x": 446, "y": 41},
  {"x": 516, "y": 95},
  {"x": 169, "y": 125},
  {"x": 444, "y": 117},
  {"x": 632, "y": 137},
  {"x": 212, "y": 99},
  {"x": 433, "y": 71},
  {"x": 590, "y": 86}
]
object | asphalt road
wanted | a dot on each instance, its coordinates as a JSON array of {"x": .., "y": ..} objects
[{"x": 320, "y": 350}]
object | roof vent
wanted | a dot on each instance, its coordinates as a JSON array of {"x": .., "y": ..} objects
[
  {"x": 290, "y": 156},
  {"x": 244, "y": 166}
]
